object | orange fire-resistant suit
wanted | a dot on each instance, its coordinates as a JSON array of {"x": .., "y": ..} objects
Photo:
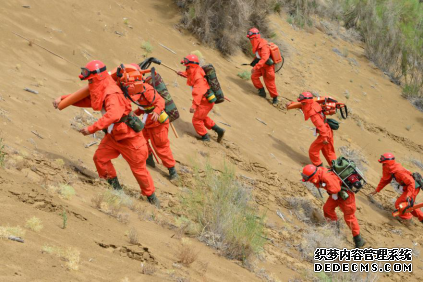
[
  {"x": 313, "y": 110},
  {"x": 329, "y": 181},
  {"x": 120, "y": 139},
  {"x": 157, "y": 132},
  {"x": 404, "y": 178},
  {"x": 262, "y": 51},
  {"x": 195, "y": 78}
]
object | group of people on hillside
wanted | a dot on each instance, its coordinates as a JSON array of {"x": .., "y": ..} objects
[{"x": 123, "y": 138}]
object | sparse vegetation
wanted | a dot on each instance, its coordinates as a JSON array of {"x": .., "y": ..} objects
[
  {"x": 246, "y": 75},
  {"x": 2, "y": 153},
  {"x": 66, "y": 191},
  {"x": 356, "y": 156},
  {"x": 224, "y": 209},
  {"x": 186, "y": 254},
  {"x": 64, "y": 219},
  {"x": 34, "y": 224},
  {"x": 112, "y": 202},
  {"x": 70, "y": 255},
  {"x": 133, "y": 236},
  {"x": 16, "y": 231},
  {"x": 147, "y": 47}
]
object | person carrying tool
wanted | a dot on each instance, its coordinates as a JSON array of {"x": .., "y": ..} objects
[
  {"x": 156, "y": 129},
  {"x": 324, "y": 142},
  {"x": 321, "y": 177},
  {"x": 203, "y": 98},
  {"x": 261, "y": 67},
  {"x": 120, "y": 139},
  {"x": 406, "y": 185}
]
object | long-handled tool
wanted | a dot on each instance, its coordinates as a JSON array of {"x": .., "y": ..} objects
[
  {"x": 174, "y": 130},
  {"x": 152, "y": 150},
  {"x": 402, "y": 209}
]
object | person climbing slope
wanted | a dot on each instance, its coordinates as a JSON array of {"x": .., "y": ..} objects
[
  {"x": 120, "y": 139},
  {"x": 407, "y": 185},
  {"x": 203, "y": 101},
  {"x": 323, "y": 178},
  {"x": 261, "y": 65},
  {"x": 156, "y": 127},
  {"x": 324, "y": 142}
]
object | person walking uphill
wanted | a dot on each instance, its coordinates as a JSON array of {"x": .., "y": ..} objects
[
  {"x": 260, "y": 67},
  {"x": 201, "y": 105},
  {"x": 120, "y": 139},
  {"x": 323, "y": 178},
  {"x": 324, "y": 142},
  {"x": 156, "y": 127},
  {"x": 406, "y": 184}
]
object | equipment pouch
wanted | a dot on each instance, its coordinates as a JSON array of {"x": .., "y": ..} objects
[
  {"x": 270, "y": 62},
  {"x": 163, "y": 117},
  {"x": 343, "y": 195},
  {"x": 254, "y": 62},
  {"x": 210, "y": 96},
  {"x": 134, "y": 122}
]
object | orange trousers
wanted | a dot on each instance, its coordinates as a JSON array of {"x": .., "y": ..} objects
[
  {"x": 347, "y": 207},
  {"x": 328, "y": 150},
  {"x": 268, "y": 73},
  {"x": 158, "y": 136},
  {"x": 200, "y": 120},
  {"x": 403, "y": 198},
  {"x": 134, "y": 151}
]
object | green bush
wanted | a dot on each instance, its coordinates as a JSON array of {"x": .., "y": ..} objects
[
  {"x": 224, "y": 209},
  {"x": 246, "y": 75}
]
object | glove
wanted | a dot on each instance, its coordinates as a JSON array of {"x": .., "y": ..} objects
[
  {"x": 180, "y": 73},
  {"x": 410, "y": 203}
]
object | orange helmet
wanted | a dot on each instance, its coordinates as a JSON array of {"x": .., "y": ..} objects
[
  {"x": 253, "y": 33},
  {"x": 190, "y": 60},
  {"x": 305, "y": 96},
  {"x": 308, "y": 172},
  {"x": 91, "y": 69},
  {"x": 387, "y": 158}
]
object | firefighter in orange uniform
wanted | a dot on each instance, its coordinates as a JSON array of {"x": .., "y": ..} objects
[
  {"x": 120, "y": 139},
  {"x": 201, "y": 106},
  {"x": 324, "y": 142},
  {"x": 261, "y": 50},
  {"x": 406, "y": 184},
  {"x": 323, "y": 178}
]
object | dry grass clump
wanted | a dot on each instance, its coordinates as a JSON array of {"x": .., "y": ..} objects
[
  {"x": 70, "y": 255},
  {"x": 186, "y": 254},
  {"x": 224, "y": 24},
  {"x": 225, "y": 212},
  {"x": 112, "y": 202},
  {"x": 356, "y": 156},
  {"x": 148, "y": 268},
  {"x": 34, "y": 224},
  {"x": 305, "y": 210},
  {"x": 7, "y": 231},
  {"x": 133, "y": 236}
]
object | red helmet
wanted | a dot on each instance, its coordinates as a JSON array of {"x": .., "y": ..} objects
[
  {"x": 91, "y": 69},
  {"x": 305, "y": 96},
  {"x": 190, "y": 60},
  {"x": 308, "y": 172},
  {"x": 253, "y": 33},
  {"x": 387, "y": 158}
]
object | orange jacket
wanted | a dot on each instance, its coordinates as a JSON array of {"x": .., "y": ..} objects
[
  {"x": 401, "y": 175},
  {"x": 261, "y": 48},
  {"x": 196, "y": 79},
  {"x": 327, "y": 180},
  {"x": 313, "y": 110},
  {"x": 116, "y": 106},
  {"x": 150, "y": 98}
]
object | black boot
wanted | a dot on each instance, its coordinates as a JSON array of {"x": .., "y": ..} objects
[
  {"x": 275, "y": 100},
  {"x": 114, "y": 182},
  {"x": 262, "y": 93},
  {"x": 359, "y": 241},
  {"x": 220, "y": 132},
  {"x": 205, "y": 138},
  {"x": 172, "y": 173},
  {"x": 152, "y": 199},
  {"x": 150, "y": 161}
]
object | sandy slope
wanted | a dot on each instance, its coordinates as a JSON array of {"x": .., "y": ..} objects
[{"x": 272, "y": 154}]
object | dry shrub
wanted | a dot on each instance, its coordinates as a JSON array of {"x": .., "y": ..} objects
[
  {"x": 7, "y": 231},
  {"x": 305, "y": 210},
  {"x": 356, "y": 156},
  {"x": 133, "y": 236},
  {"x": 97, "y": 200},
  {"x": 70, "y": 255},
  {"x": 224, "y": 24},
  {"x": 186, "y": 254},
  {"x": 34, "y": 224},
  {"x": 148, "y": 268}
]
